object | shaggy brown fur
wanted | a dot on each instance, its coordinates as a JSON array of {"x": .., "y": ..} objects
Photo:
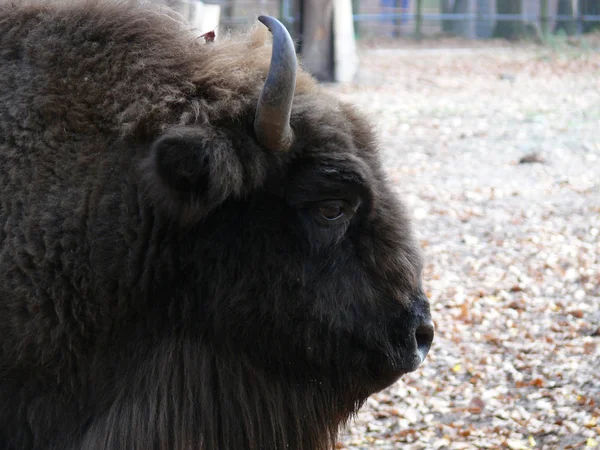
[{"x": 166, "y": 282}]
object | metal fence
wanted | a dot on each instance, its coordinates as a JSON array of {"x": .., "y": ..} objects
[
  {"x": 477, "y": 19},
  {"x": 474, "y": 18}
]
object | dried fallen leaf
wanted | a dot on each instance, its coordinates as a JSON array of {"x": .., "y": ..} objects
[
  {"x": 578, "y": 313},
  {"x": 589, "y": 347},
  {"x": 591, "y": 423},
  {"x": 538, "y": 382},
  {"x": 476, "y": 405},
  {"x": 514, "y": 444}
]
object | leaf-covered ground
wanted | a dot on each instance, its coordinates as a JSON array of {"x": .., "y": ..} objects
[{"x": 497, "y": 153}]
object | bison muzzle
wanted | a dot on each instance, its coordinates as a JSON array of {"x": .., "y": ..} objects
[{"x": 198, "y": 245}]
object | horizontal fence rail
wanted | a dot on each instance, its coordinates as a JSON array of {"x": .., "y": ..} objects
[{"x": 472, "y": 16}]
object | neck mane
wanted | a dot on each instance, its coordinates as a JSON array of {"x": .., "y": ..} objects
[{"x": 185, "y": 396}]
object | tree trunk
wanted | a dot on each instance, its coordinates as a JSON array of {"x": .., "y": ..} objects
[
  {"x": 317, "y": 38},
  {"x": 590, "y": 8},
  {"x": 510, "y": 29}
]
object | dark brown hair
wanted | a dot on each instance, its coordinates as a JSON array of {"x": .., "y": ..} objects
[{"x": 166, "y": 282}]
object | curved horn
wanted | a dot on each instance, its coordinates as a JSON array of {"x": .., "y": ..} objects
[{"x": 272, "y": 119}]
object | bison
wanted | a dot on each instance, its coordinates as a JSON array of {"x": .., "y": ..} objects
[{"x": 198, "y": 245}]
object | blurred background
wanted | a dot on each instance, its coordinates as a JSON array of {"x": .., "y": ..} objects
[
  {"x": 488, "y": 115},
  {"x": 469, "y": 18},
  {"x": 324, "y": 29}
]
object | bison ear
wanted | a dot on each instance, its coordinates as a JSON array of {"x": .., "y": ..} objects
[{"x": 190, "y": 171}]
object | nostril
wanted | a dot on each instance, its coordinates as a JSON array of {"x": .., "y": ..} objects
[{"x": 424, "y": 335}]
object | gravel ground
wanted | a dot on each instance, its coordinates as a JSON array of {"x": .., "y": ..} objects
[{"x": 497, "y": 153}]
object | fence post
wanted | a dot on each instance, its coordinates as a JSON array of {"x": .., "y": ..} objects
[
  {"x": 419, "y": 19},
  {"x": 569, "y": 26},
  {"x": 544, "y": 18},
  {"x": 465, "y": 27}
]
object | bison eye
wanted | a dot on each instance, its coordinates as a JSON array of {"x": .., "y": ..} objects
[{"x": 332, "y": 211}]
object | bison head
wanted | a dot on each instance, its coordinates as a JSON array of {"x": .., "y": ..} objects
[
  {"x": 295, "y": 253},
  {"x": 190, "y": 256}
]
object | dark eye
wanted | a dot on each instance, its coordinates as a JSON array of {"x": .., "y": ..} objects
[{"x": 331, "y": 211}]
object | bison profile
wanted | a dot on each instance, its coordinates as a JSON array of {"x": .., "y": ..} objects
[{"x": 198, "y": 246}]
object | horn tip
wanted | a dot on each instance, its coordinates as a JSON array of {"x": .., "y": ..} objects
[{"x": 268, "y": 21}]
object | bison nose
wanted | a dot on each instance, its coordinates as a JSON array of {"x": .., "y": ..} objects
[{"x": 424, "y": 336}]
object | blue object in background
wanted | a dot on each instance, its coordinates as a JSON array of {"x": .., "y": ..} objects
[{"x": 404, "y": 5}]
